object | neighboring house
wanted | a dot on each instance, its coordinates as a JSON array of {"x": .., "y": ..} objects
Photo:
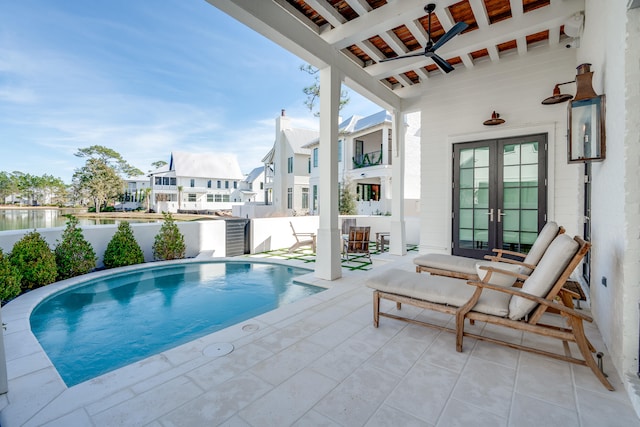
[
  {"x": 364, "y": 161},
  {"x": 134, "y": 193},
  {"x": 251, "y": 189},
  {"x": 195, "y": 182},
  {"x": 288, "y": 167}
]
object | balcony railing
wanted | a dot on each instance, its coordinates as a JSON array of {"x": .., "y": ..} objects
[{"x": 372, "y": 158}]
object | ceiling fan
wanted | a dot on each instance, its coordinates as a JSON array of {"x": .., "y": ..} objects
[{"x": 431, "y": 47}]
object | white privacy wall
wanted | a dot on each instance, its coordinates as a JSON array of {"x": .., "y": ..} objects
[
  {"x": 611, "y": 43},
  {"x": 454, "y": 110}
]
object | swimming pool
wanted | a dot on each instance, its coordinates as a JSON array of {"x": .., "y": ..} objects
[{"x": 103, "y": 324}]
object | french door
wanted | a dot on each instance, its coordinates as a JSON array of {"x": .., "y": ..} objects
[{"x": 499, "y": 194}]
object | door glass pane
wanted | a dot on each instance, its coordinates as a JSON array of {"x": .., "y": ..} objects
[
  {"x": 482, "y": 198},
  {"x": 466, "y": 238},
  {"x": 529, "y": 175},
  {"x": 466, "y": 198},
  {"x": 510, "y": 239},
  {"x": 511, "y": 198},
  {"x": 529, "y": 153},
  {"x": 528, "y": 239},
  {"x": 511, "y": 154},
  {"x": 481, "y": 178},
  {"x": 466, "y": 178},
  {"x": 529, "y": 197},
  {"x": 511, "y": 220},
  {"x": 481, "y": 157},
  {"x": 511, "y": 176},
  {"x": 466, "y": 218},
  {"x": 466, "y": 158},
  {"x": 529, "y": 221}
]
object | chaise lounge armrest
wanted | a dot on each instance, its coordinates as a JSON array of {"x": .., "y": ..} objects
[
  {"x": 494, "y": 270},
  {"x": 509, "y": 261},
  {"x": 501, "y": 252},
  {"x": 518, "y": 292}
]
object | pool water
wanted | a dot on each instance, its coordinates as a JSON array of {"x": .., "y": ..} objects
[{"x": 100, "y": 325}]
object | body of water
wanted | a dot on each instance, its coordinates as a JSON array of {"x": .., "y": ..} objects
[
  {"x": 103, "y": 324},
  {"x": 28, "y": 219}
]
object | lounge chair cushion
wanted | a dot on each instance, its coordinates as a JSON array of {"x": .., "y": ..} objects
[
  {"x": 544, "y": 239},
  {"x": 498, "y": 279},
  {"x": 440, "y": 290},
  {"x": 447, "y": 262},
  {"x": 549, "y": 269}
]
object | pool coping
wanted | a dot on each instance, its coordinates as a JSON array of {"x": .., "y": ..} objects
[{"x": 29, "y": 368}]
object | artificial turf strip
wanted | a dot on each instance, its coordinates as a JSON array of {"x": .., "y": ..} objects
[{"x": 356, "y": 261}]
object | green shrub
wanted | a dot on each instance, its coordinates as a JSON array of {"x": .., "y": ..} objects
[
  {"x": 74, "y": 255},
  {"x": 169, "y": 242},
  {"x": 122, "y": 248},
  {"x": 34, "y": 260},
  {"x": 9, "y": 279}
]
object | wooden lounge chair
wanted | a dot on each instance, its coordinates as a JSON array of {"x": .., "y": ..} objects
[
  {"x": 302, "y": 239},
  {"x": 357, "y": 242},
  {"x": 522, "y": 309},
  {"x": 465, "y": 268}
]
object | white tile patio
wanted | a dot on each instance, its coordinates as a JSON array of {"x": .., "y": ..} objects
[{"x": 317, "y": 362}]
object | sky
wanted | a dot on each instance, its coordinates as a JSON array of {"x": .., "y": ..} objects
[{"x": 143, "y": 78}]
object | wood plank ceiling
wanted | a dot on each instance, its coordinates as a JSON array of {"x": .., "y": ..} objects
[{"x": 367, "y": 31}]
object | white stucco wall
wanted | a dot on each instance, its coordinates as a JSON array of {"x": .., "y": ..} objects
[
  {"x": 198, "y": 236},
  {"x": 454, "y": 111}
]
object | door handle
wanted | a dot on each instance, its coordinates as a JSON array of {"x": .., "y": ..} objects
[
  {"x": 500, "y": 214},
  {"x": 490, "y": 213}
]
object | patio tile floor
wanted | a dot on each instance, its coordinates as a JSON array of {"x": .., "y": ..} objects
[{"x": 319, "y": 362}]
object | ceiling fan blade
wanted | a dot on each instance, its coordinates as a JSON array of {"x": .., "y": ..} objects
[
  {"x": 444, "y": 65},
  {"x": 454, "y": 31},
  {"x": 409, "y": 55}
]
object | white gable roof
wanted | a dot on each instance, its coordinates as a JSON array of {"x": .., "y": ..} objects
[
  {"x": 205, "y": 165},
  {"x": 297, "y": 138}
]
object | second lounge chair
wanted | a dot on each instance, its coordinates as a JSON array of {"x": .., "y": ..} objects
[{"x": 466, "y": 268}]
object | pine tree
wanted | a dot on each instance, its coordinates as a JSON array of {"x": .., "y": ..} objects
[
  {"x": 347, "y": 202},
  {"x": 74, "y": 255},
  {"x": 169, "y": 242},
  {"x": 123, "y": 249}
]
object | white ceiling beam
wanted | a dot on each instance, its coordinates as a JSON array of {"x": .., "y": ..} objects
[
  {"x": 530, "y": 23},
  {"x": 480, "y": 13},
  {"x": 467, "y": 60},
  {"x": 404, "y": 80},
  {"x": 361, "y": 7},
  {"x": 422, "y": 73},
  {"x": 269, "y": 19},
  {"x": 418, "y": 32},
  {"x": 554, "y": 36},
  {"x": 394, "y": 42},
  {"x": 446, "y": 20},
  {"x": 328, "y": 12},
  {"x": 373, "y": 52},
  {"x": 375, "y": 22},
  {"x": 516, "y": 8},
  {"x": 522, "y": 45},
  {"x": 494, "y": 55}
]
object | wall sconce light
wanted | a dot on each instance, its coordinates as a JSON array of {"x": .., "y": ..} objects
[
  {"x": 494, "y": 120},
  {"x": 557, "y": 97},
  {"x": 586, "y": 121}
]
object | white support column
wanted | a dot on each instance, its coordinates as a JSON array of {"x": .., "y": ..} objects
[
  {"x": 328, "y": 266},
  {"x": 4, "y": 384},
  {"x": 397, "y": 240}
]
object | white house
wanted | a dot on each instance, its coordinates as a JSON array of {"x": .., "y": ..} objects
[
  {"x": 287, "y": 167},
  {"x": 195, "y": 182},
  {"x": 135, "y": 192},
  {"x": 251, "y": 188},
  {"x": 364, "y": 162}
]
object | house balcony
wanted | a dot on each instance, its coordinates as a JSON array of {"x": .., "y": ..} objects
[{"x": 372, "y": 158}]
